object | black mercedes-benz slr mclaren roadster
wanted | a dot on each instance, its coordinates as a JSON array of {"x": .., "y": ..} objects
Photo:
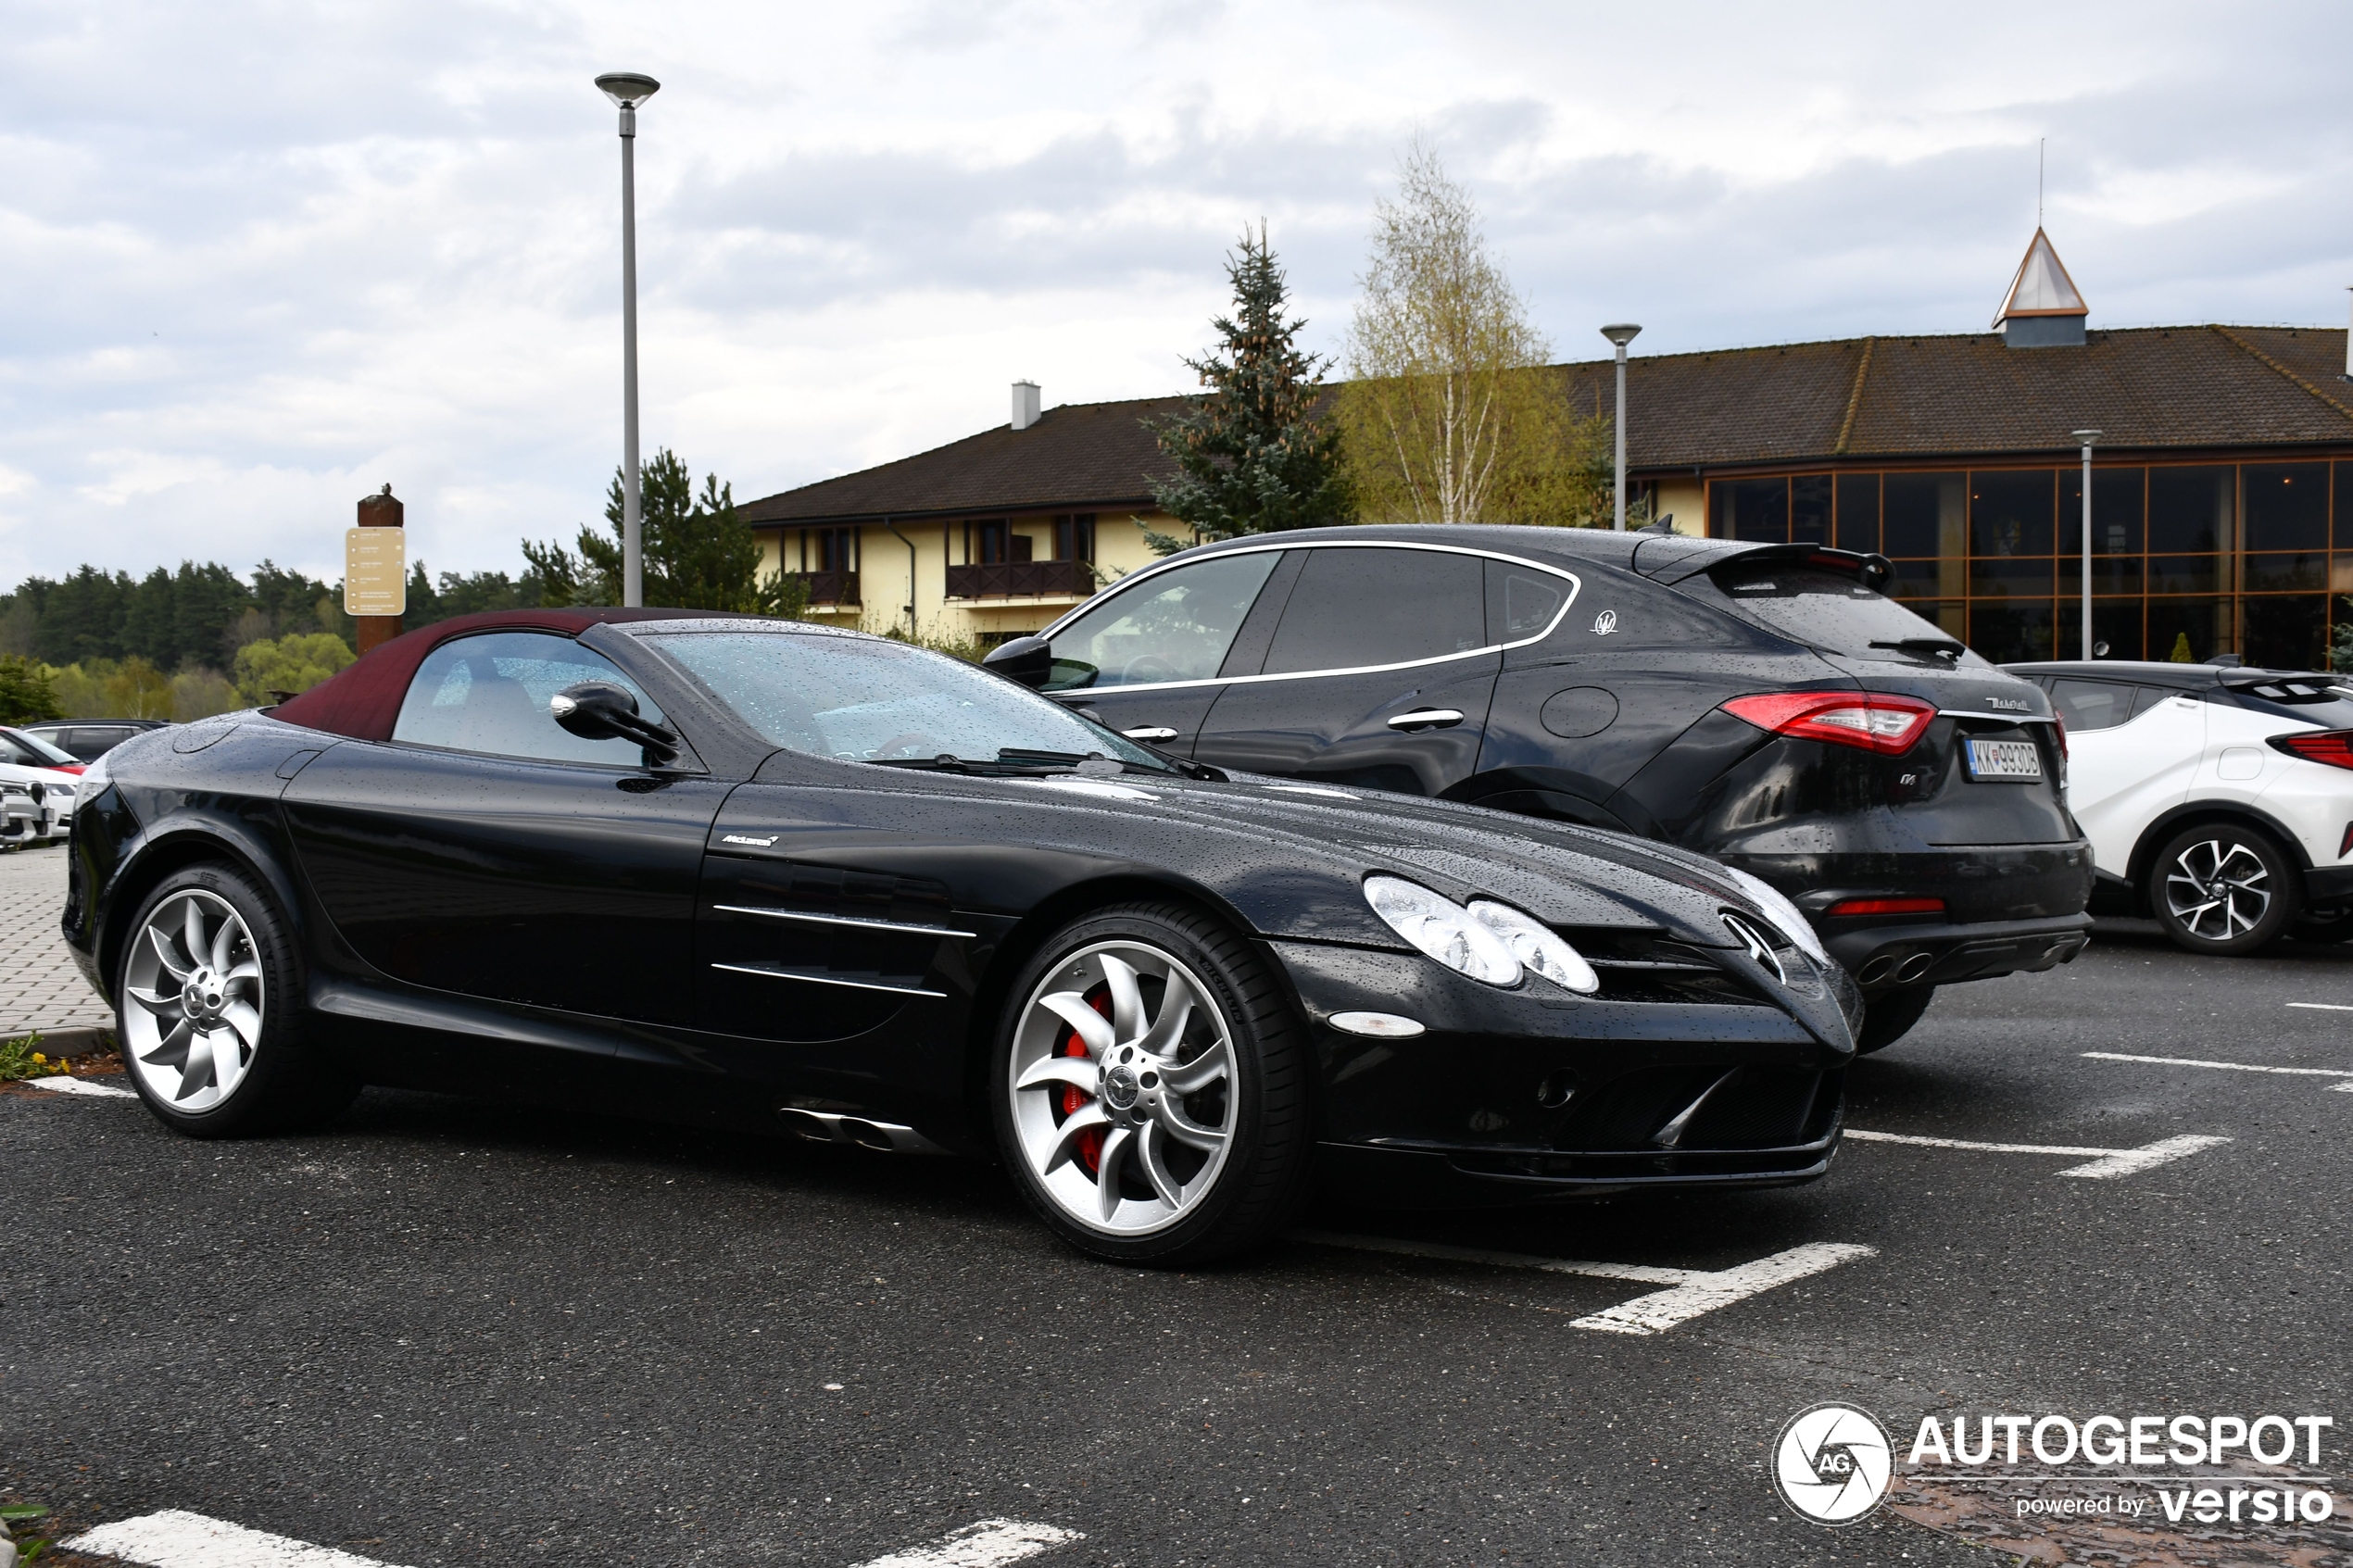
[{"x": 773, "y": 874}]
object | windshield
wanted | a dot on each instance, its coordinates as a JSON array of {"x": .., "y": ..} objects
[
  {"x": 1831, "y": 612},
  {"x": 863, "y": 699}
]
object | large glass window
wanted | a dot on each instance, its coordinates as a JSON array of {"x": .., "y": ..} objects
[
  {"x": 2284, "y": 630},
  {"x": 1174, "y": 626},
  {"x": 2189, "y": 510},
  {"x": 2187, "y": 560},
  {"x": 1754, "y": 509},
  {"x": 1925, "y": 514},
  {"x": 1355, "y": 607},
  {"x": 2010, "y": 513},
  {"x": 1858, "y": 512},
  {"x": 1809, "y": 509},
  {"x": 2287, "y": 506},
  {"x": 490, "y": 694}
]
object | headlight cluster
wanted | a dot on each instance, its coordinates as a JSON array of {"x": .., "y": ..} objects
[
  {"x": 1487, "y": 941},
  {"x": 1781, "y": 912}
]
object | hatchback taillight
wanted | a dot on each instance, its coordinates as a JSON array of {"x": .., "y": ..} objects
[
  {"x": 2332, "y": 746},
  {"x": 1872, "y": 721}
]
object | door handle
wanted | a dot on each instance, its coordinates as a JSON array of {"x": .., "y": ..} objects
[
  {"x": 1152, "y": 733},
  {"x": 1427, "y": 719}
]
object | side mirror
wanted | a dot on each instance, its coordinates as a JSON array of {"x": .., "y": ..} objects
[
  {"x": 601, "y": 710},
  {"x": 1029, "y": 660}
]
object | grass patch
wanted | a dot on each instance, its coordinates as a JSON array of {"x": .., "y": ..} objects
[{"x": 23, "y": 1057}]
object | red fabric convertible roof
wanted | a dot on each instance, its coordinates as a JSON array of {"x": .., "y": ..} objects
[{"x": 363, "y": 701}]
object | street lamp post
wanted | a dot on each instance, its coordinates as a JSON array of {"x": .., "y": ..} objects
[
  {"x": 2087, "y": 437},
  {"x": 627, "y": 90},
  {"x": 1621, "y": 333}
]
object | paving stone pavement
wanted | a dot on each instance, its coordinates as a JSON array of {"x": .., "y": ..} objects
[{"x": 39, "y": 986}]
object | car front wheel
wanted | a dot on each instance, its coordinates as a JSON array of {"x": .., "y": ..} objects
[
  {"x": 1149, "y": 1088},
  {"x": 209, "y": 998},
  {"x": 2224, "y": 889}
]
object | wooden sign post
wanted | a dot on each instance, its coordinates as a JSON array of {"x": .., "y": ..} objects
[{"x": 375, "y": 570}]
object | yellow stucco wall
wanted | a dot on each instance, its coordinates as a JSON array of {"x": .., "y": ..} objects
[{"x": 884, "y": 565}]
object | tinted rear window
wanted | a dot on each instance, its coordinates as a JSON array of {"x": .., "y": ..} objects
[{"x": 1829, "y": 610}]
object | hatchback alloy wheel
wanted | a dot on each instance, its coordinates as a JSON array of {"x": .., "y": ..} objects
[{"x": 2220, "y": 888}]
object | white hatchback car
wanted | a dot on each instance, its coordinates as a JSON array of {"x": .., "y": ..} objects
[{"x": 2219, "y": 799}]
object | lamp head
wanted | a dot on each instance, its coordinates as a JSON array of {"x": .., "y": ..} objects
[
  {"x": 627, "y": 89},
  {"x": 1620, "y": 332},
  {"x": 2085, "y": 438}
]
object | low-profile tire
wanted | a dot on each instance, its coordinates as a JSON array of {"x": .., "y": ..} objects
[
  {"x": 2224, "y": 888},
  {"x": 209, "y": 1011},
  {"x": 1889, "y": 1016},
  {"x": 1150, "y": 1046}
]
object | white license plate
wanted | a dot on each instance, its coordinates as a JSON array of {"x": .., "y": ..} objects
[{"x": 2011, "y": 760}]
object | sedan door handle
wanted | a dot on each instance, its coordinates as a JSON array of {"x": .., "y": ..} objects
[
  {"x": 1427, "y": 719},
  {"x": 1151, "y": 731}
]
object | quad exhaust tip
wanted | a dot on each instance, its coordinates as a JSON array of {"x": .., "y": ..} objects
[
  {"x": 1914, "y": 967},
  {"x": 832, "y": 1126}
]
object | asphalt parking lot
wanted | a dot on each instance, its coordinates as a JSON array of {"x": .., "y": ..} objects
[{"x": 450, "y": 1333}]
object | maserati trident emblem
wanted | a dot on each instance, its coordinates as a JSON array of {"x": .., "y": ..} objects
[
  {"x": 1758, "y": 949},
  {"x": 1604, "y": 623}
]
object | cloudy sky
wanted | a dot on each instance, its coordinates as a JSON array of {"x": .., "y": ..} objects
[{"x": 264, "y": 256}]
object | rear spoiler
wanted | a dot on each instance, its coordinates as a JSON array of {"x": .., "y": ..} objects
[
  {"x": 2284, "y": 687},
  {"x": 1874, "y": 570}
]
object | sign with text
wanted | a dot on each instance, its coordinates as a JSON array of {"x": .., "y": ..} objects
[{"x": 376, "y": 572}]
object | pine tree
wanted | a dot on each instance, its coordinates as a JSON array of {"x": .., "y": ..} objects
[
  {"x": 698, "y": 553},
  {"x": 1253, "y": 456}
]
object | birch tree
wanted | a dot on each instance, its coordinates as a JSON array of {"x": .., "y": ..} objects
[{"x": 1449, "y": 414}]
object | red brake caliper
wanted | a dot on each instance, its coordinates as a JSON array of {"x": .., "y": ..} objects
[{"x": 1090, "y": 1142}]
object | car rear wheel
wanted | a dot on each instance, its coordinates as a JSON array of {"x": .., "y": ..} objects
[
  {"x": 1889, "y": 1016},
  {"x": 1149, "y": 1088},
  {"x": 2223, "y": 888},
  {"x": 209, "y": 1012}
]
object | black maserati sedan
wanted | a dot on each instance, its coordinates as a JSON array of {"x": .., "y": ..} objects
[
  {"x": 1762, "y": 704},
  {"x": 769, "y": 875}
]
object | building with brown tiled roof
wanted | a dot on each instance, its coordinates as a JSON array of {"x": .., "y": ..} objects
[{"x": 2216, "y": 493}]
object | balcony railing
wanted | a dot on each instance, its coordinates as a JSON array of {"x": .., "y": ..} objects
[
  {"x": 830, "y": 587},
  {"x": 1021, "y": 580}
]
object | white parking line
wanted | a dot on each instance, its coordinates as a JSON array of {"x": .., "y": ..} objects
[
  {"x": 2325, "y": 1007},
  {"x": 62, "y": 1084},
  {"x": 178, "y": 1539},
  {"x": 1692, "y": 1293},
  {"x": 175, "y": 1538},
  {"x": 988, "y": 1543},
  {"x": 2227, "y": 1066},
  {"x": 2104, "y": 1163}
]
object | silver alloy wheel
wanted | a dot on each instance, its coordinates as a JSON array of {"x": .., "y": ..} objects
[
  {"x": 193, "y": 1001},
  {"x": 2216, "y": 892},
  {"x": 1155, "y": 1098}
]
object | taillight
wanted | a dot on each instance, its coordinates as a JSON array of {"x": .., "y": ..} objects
[
  {"x": 2333, "y": 746},
  {"x": 1847, "y": 907},
  {"x": 2059, "y": 722},
  {"x": 1873, "y": 721}
]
